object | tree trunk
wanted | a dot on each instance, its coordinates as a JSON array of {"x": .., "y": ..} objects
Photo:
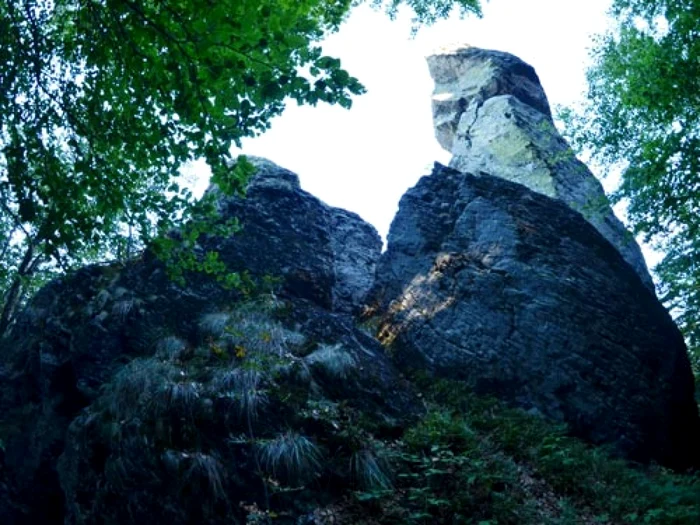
[{"x": 12, "y": 299}]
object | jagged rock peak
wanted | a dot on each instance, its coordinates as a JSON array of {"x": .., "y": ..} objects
[
  {"x": 468, "y": 76},
  {"x": 490, "y": 111},
  {"x": 323, "y": 253},
  {"x": 271, "y": 175}
]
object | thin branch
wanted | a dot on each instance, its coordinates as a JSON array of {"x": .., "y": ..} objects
[{"x": 14, "y": 217}]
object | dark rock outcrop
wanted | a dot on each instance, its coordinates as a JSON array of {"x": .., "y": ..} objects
[
  {"x": 323, "y": 253},
  {"x": 122, "y": 387},
  {"x": 513, "y": 292},
  {"x": 126, "y": 397}
]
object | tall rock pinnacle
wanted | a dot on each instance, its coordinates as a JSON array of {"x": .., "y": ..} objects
[{"x": 491, "y": 113}]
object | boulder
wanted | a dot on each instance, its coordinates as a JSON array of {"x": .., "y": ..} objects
[
  {"x": 491, "y": 283},
  {"x": 125, "y": 397},
  {"x": 322, "y": 253},
  {"x": 491, "y": 113}
]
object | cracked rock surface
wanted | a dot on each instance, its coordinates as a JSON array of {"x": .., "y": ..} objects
[
  {"x": 113, "y": 377},
  {"x": 488, "y": 282},
  {"x": 323, "y": 253},
  {"x": 491, "y": 113}
]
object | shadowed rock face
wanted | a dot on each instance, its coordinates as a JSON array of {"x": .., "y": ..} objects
[
  {"x": 125, "y": 397},
  {"x": 128, "y": 398},
  {"x": 112, "y": 377},
  {"x": 325, "y": 254},
  {"x": 491, "y": 113},
  {"x": 486, "y": 281}
]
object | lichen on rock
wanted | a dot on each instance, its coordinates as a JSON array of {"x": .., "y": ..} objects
[{"x": 491, "y": 113}]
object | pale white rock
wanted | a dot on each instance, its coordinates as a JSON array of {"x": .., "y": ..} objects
[
  {"x": 491, "y": 113},
  {"x": 465, "y": 77}
]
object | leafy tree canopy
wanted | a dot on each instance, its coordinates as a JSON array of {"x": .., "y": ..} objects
[
  {"x": 103, "y": 101},
  {"x": 643, "y": 114}
]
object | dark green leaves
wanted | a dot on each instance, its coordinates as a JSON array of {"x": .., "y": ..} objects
[
  {"x": 427, "y": 12},
  {"x": 103, "y": 101}
]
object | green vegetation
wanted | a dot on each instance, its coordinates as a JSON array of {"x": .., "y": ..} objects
[
  {"x": 233, "y": 422},
  {"x": 473, "y": 460},
  {"x": 188, "y": 422},
  {"x": 103, "y": 101},
  {"x": 642, "y": 116},
  {"x": 292, "y": 458},
  {"x": 233, "y": 425}
]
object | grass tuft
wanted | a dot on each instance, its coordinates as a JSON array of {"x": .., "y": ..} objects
[
  {"x": 122, "y": 308},
  {"x": 136, "y": 385},
  {"x": 179, "y": 399},
  {"x": 204, "y": 474},
  {"x": 370, "y": 470},
  {"x": 171, "y": 347},
  {"x": 291, "y": 458},
  {"x": 244, "y": 388},
  {"x": 333, "y": 359},
  {"x": 214, "y": 325}
]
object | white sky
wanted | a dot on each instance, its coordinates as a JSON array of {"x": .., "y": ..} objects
[{"x": 365, "y": 158}]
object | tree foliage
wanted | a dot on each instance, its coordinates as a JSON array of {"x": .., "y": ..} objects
[
  {"x": 643, "y": 113},
  {"x": 103, "y": 101}
]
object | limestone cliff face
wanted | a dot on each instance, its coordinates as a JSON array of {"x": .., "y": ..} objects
[{"x": 492, "y": 114}]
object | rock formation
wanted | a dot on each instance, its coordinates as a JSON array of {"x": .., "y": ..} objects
[
  {"x": 112, "y": 377},
  {"x": 126, "y": 397},
  {"x": 491, "y": 113},
  {"x": 325, "y": 254},
  {"x": 488, "y": 282}
]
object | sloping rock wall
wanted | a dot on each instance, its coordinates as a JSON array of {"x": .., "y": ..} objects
[
  {"x": 491, "y": 113},
  {"x": 325, "y": 254},
  {"x": 125, "y": 396},
  {"x": 489, "y": 282}
]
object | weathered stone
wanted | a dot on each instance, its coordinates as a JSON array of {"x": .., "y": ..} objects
[
  {"x": 234, "y": 409},
  {"x": 322, "y": 253},
  {"x": 491, "y": 283},
  {"x": 466, "y": 77},
  {"x": 113, "y": 376},
  {"x": 491, "y": 113}
]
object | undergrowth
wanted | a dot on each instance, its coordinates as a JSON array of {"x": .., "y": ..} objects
[
  {"x": 232, "y": 426},
  {"x": 474, "y": 460}
]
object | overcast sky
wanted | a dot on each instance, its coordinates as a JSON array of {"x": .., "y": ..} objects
[{"x": 365, "y": 158}]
